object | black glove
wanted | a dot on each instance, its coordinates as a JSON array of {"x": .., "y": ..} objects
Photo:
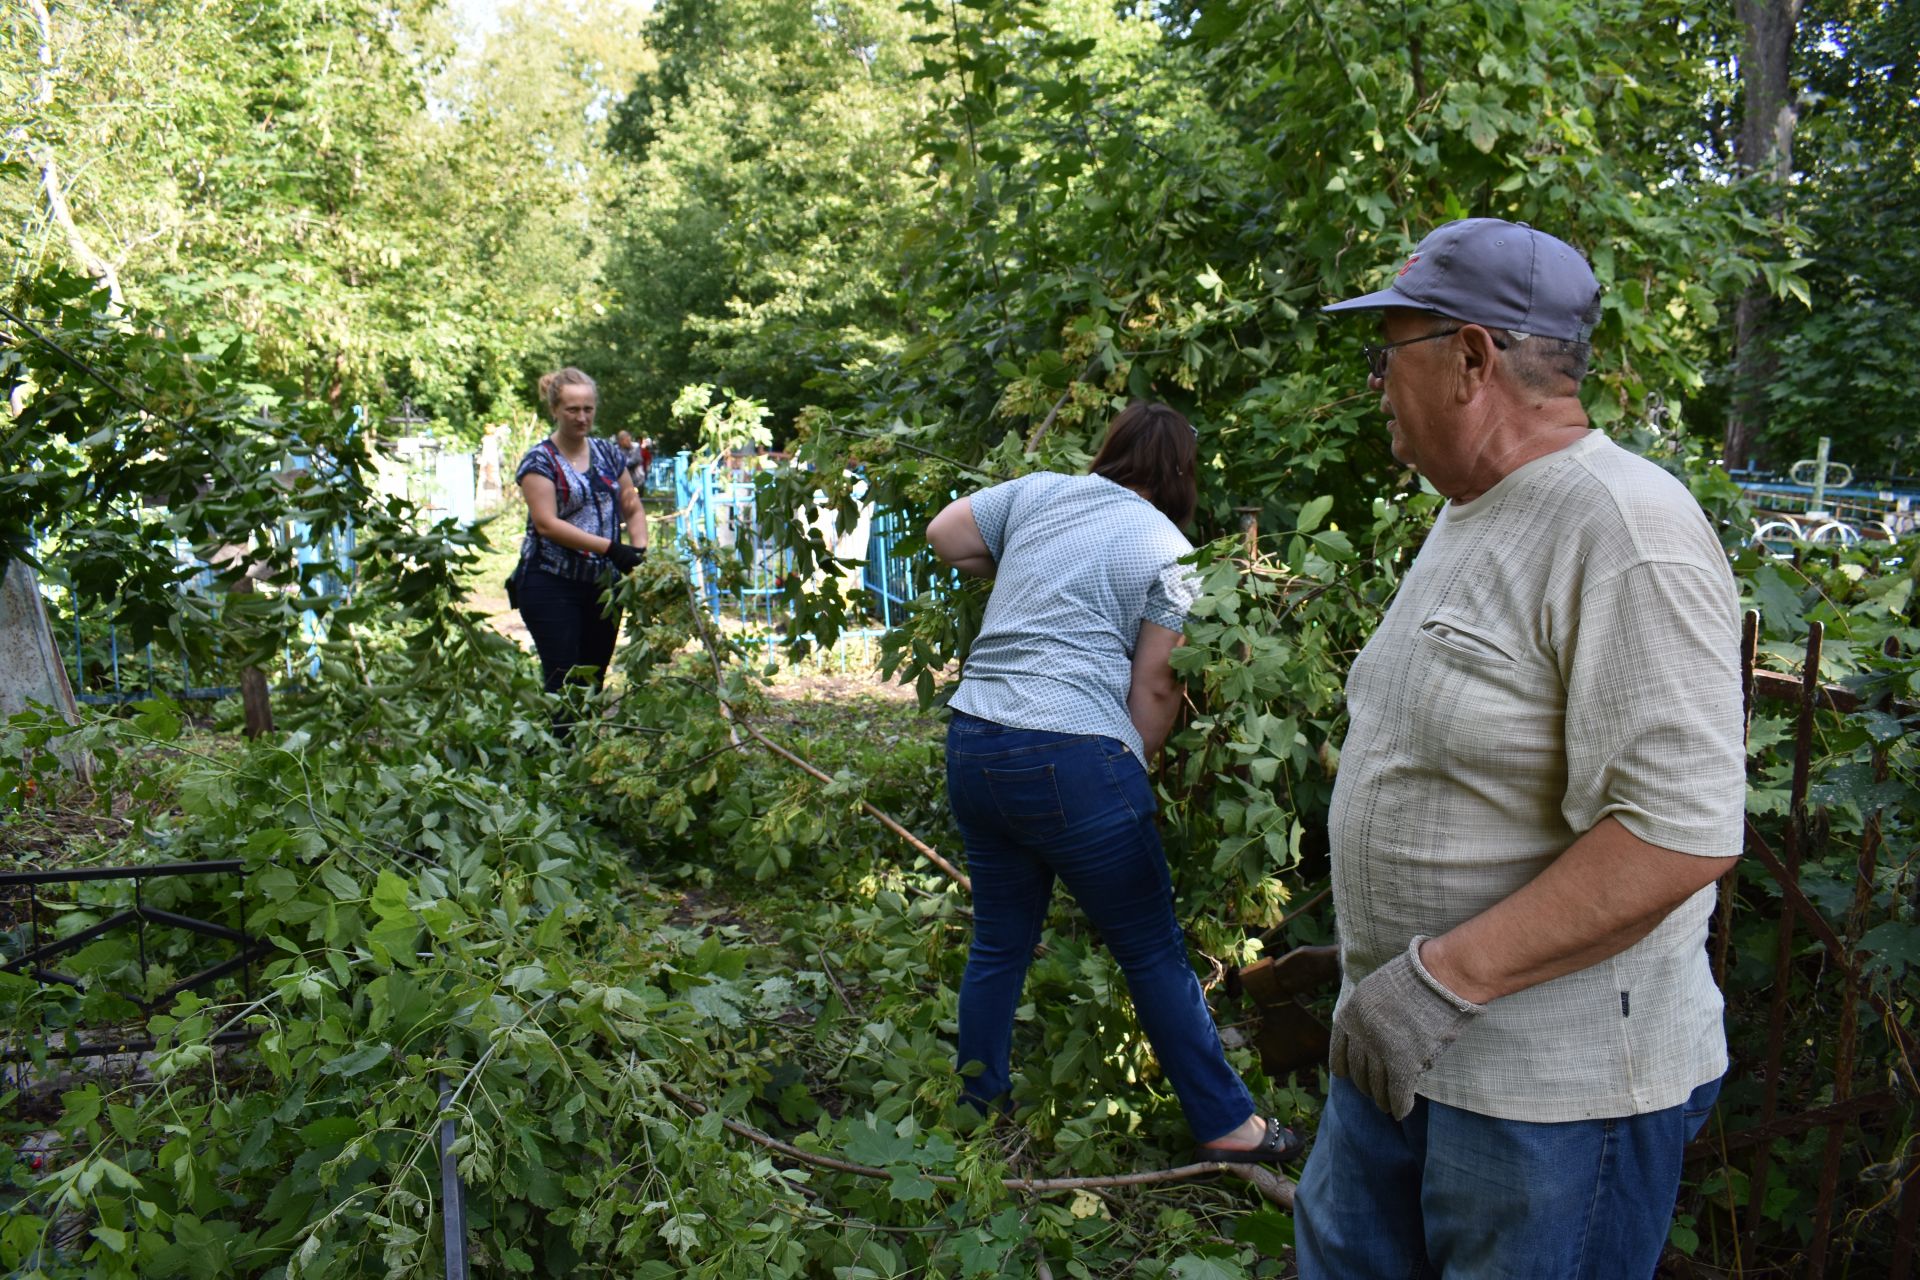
[{"x": 624, "y": 557}]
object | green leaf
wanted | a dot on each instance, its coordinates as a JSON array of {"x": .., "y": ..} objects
[
  {"x": 1193, "y": 1266},
  {"x": 908, "y": 1184},
  {"x": 1268, "y": 1230},
  {"x": 341, "y": 885},
  {"x": 276, "y": 883},
  {"x": 1893, "y": 945},
  {"x": 390, "y": 897},
  {"x": 1313, "y": 513},
  {"x": 80, "y": 1107},
  {"x": 1778, "y": 599},
  {"x": 871, "y": 1144},
  {"x": 329, "y": 1131},
  {"x": 361, "y": 1059}
]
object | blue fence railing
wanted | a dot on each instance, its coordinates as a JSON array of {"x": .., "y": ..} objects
[
  {"x": 663, "y": 476},
  {"x": 1872, "y": 511},
  {"x": 715, "y": 512},
  {"x": 716, "y": 516},
  {"x": 896, "y": 580},
  {"x": 104, "y": 672}
]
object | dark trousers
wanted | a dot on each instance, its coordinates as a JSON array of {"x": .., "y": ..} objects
[
  {"x": 569, "y": 628},
  {"x": 1448, "y": 1192},
  {"x": 1034, "y": 807}
]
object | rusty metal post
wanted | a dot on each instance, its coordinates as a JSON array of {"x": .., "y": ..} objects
[
  {"x": 1783, "y": 955},
  {"x": 1845, "y": 1050},
  {"x": 1730, "y": 884},
  {"x": 1749, "y": 656},
  {"x": 1906, "y": 1226}
]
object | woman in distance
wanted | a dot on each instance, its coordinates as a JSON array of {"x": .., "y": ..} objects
[
  {"x": 579, "y": 497},
  {"x": 1066, "y": 693}
]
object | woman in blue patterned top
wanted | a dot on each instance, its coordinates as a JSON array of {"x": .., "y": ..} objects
[
  {"x": 579, "y": 495},
  {"x": 1065, "y": 695}
]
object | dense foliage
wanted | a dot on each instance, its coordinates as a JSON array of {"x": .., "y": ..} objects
[
  {"x": 371, "y": 204},
  {"x": 926, "y": 247},
  {"x": 180, "y": 466},
  {"x": 449, "y": 924}
]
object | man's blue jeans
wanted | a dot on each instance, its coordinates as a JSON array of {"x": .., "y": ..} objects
[
  {"x": 1033, "y": 805},
  {"x": 1450, "y": 1193}
]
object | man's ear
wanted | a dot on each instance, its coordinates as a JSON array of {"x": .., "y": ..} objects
[{"x": 1478, "y": 356}]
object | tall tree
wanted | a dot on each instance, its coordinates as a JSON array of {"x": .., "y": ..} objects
[
  {"x": 773, "y": 181},
  {"x": 1838, "y": 366},
  {"x": 369, "y": 204},
  {"x": 1765, "y": 156}
]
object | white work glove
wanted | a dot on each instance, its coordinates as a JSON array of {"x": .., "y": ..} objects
[{"x": 1394, "y": 1027}]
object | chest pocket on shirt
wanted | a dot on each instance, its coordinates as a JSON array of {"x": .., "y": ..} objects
[
  {"x": 1483, "y": 702},
  {"x": 1466, "y": 640}
]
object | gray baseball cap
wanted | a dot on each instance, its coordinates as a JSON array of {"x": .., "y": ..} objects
[{"x": 1503, "y": 274}]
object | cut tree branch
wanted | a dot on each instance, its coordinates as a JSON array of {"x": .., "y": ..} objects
[
  {"x": 1273, "y": 1186},
  {"x": 736, "y": 722}
]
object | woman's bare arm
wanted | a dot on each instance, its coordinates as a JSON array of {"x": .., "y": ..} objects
[
  {"x": 539, "y": 493},
  {"x": 1153, "y": 699},
  {"x": 955, "y": 537},
  {"x": 633, "y": 510}
]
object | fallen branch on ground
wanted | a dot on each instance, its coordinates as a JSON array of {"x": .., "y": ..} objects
[{"x": 1275, "y": 1187}]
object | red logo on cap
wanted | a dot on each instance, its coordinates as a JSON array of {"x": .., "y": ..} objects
[{"x": 1410, "y": 261}]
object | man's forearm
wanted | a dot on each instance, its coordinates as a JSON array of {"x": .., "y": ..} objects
[{"x": 1606, "y": 892}]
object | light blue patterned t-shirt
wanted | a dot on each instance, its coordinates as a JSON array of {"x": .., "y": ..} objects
[{"x": 1080, "y": 563}]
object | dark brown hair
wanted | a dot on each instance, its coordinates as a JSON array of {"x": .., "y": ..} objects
[{"x": 1152, "y": 448}]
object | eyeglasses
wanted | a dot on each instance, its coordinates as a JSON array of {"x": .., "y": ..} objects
[{"x": 1376, "y": 352}]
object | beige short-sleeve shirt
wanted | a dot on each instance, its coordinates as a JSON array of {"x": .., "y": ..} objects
[{"x": 1564, "y": 649}]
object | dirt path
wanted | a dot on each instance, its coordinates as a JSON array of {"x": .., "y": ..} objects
[{"x": 503, "y": 619}]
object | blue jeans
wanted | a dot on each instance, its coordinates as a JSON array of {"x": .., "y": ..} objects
[
  {"x": 1450, "y": 1193},
  {"x": 1033, "y": 805}
]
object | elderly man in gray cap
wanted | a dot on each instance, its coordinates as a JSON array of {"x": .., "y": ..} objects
[{"x": 1542, "y": 782}]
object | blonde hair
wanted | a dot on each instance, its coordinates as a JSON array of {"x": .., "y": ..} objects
[{"x": 551, "y": 384}]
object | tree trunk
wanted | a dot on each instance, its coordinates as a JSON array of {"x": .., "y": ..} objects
[
  {"x": 1765, "y": 151},
  {"x": 58, "y": 211},
  {"x": 30, "y": 667},
  {"x": 255, "y": 700}
]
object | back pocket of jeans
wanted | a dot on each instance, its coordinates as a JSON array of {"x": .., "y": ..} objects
[{"x": 1027, "y": 798}]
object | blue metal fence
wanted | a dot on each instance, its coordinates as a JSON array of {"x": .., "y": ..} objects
[
  {"x": 663, "y": 476},
  {"x": 1889, "y": 511},
  {"x": 896, "y": 580},
  {"x": 156, "y": 673},
  {"x": 716, "y": 516}
]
